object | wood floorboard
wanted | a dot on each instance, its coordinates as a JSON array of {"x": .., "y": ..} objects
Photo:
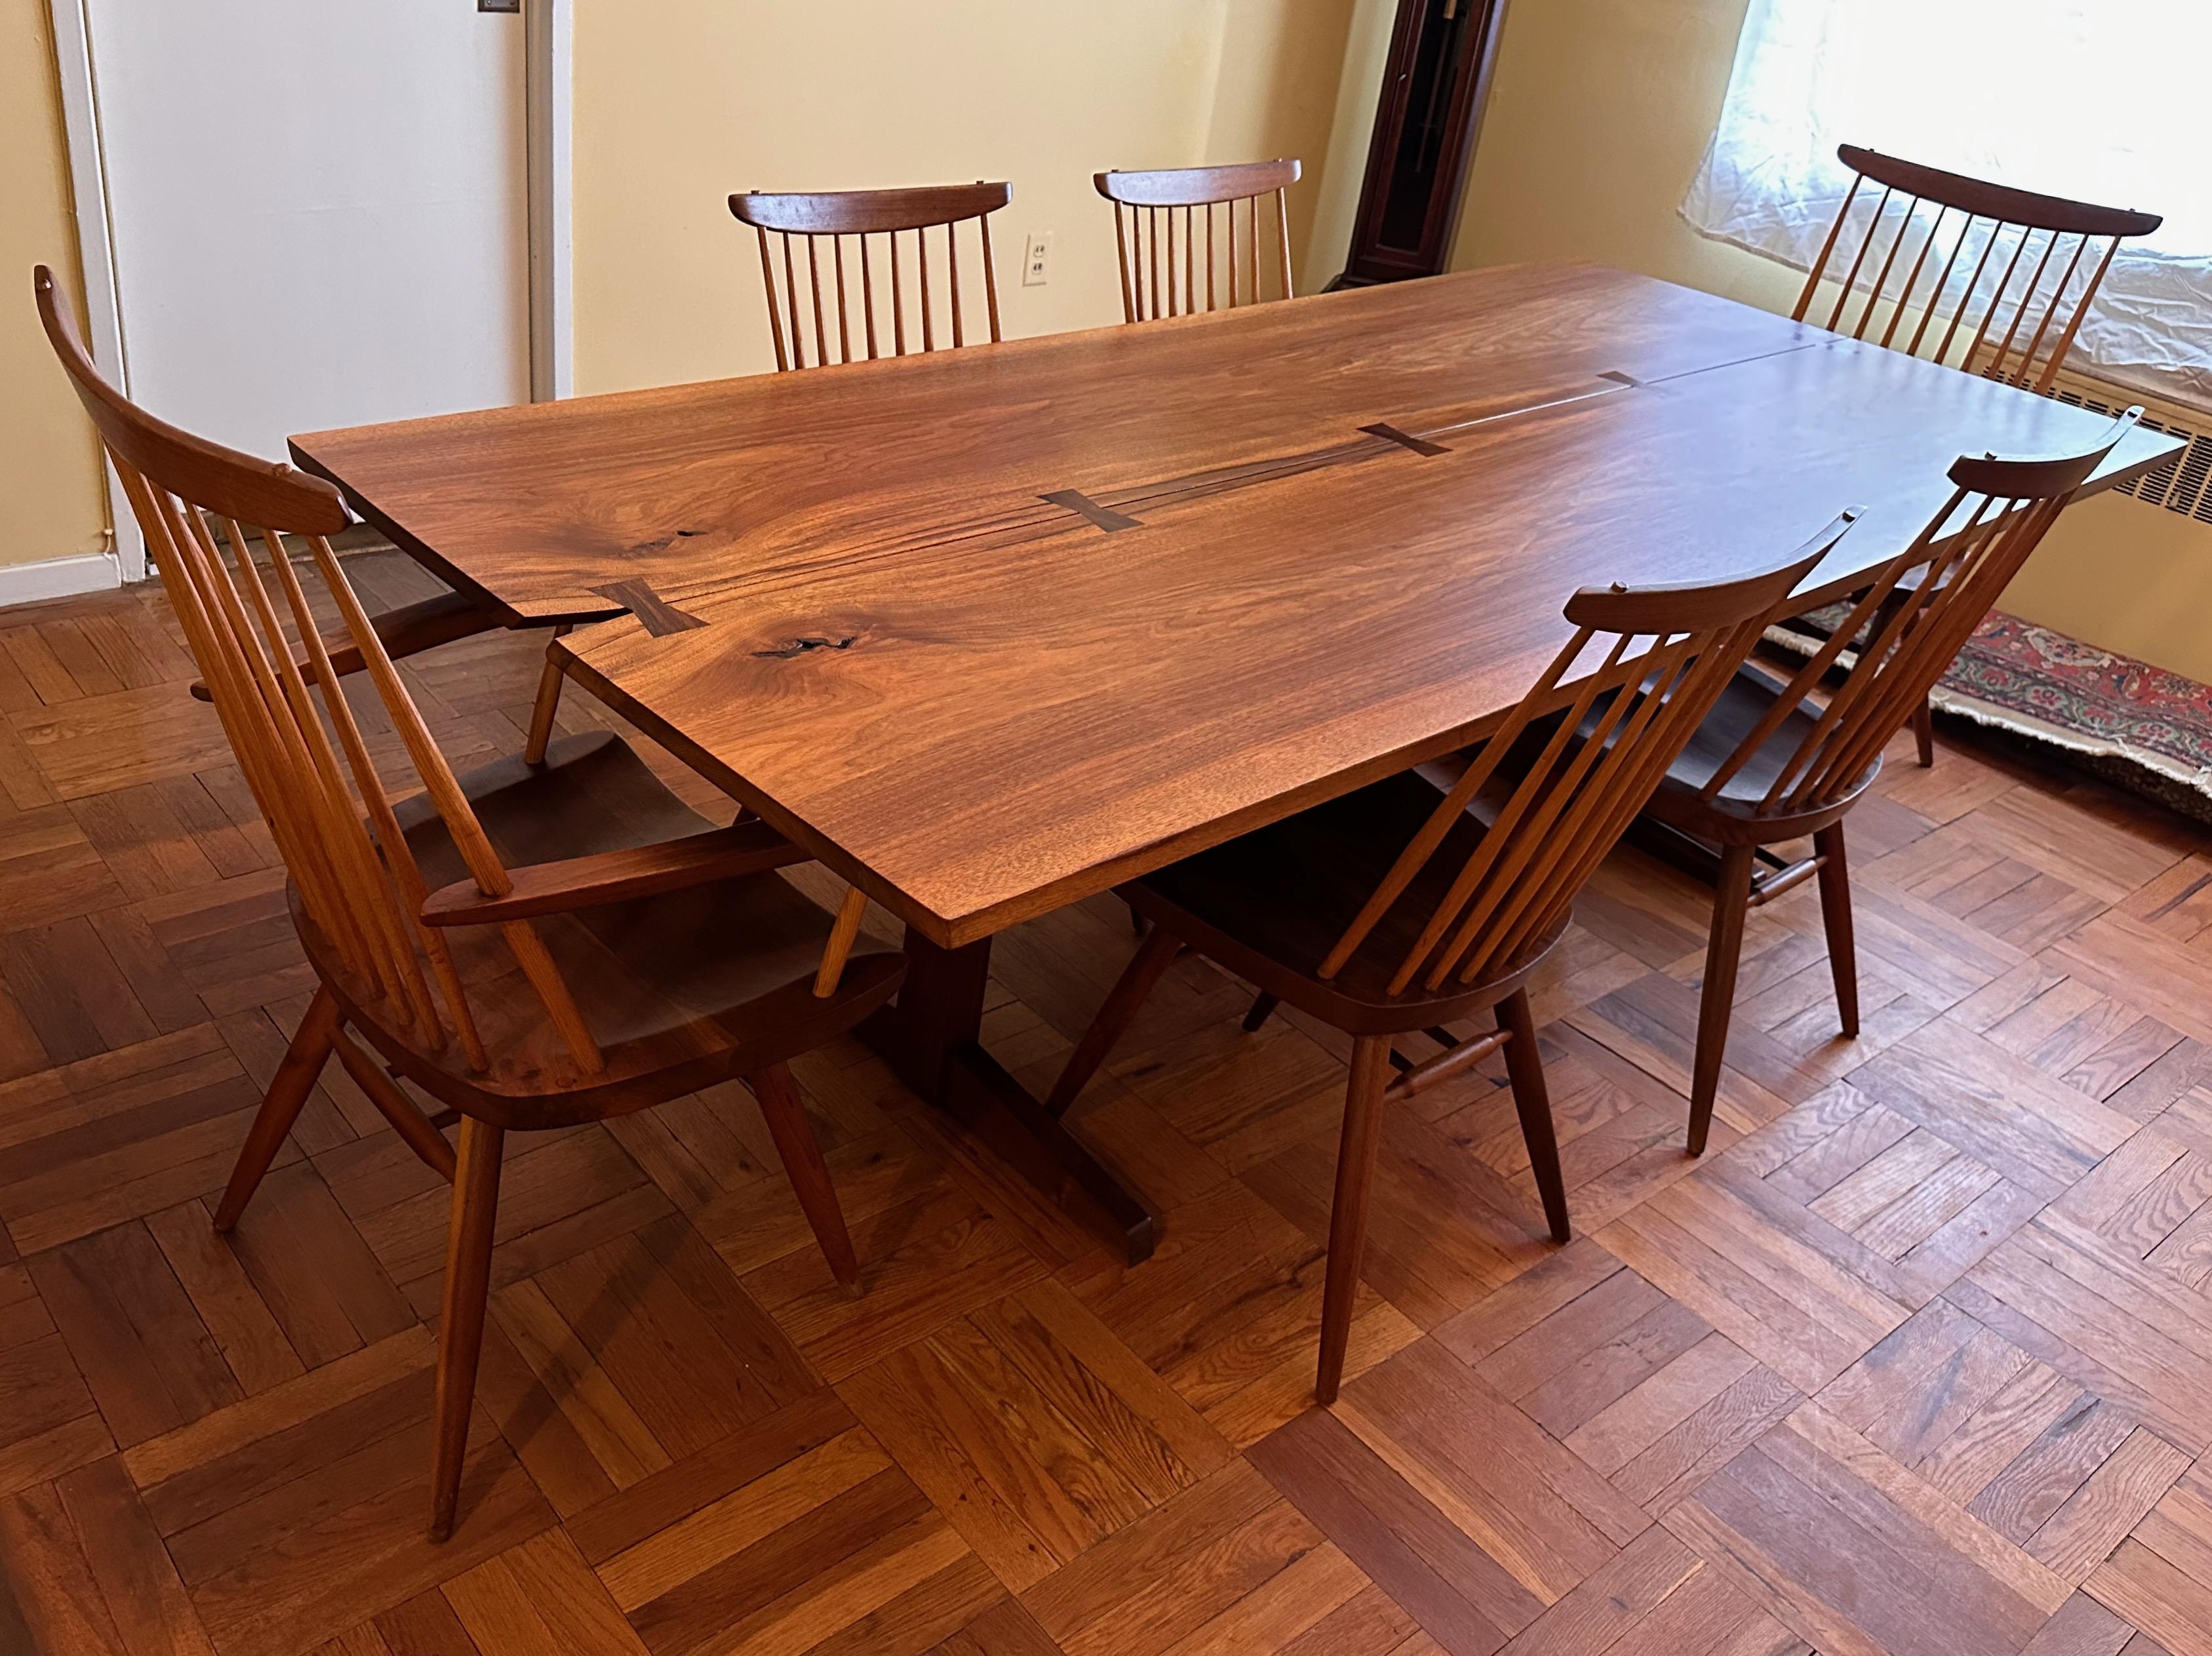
[{"x": 1916, "y": 1359}]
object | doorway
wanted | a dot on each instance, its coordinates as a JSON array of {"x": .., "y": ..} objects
[{"x": 300, "y": 216}]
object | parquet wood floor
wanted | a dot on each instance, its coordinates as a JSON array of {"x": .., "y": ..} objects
[{"x": 1918, "y": 1359}]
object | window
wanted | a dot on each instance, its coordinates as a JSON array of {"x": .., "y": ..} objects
[{"x": 2101, "y": 100}]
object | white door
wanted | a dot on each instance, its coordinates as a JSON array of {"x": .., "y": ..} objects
[{"x": 319, "y": 209}]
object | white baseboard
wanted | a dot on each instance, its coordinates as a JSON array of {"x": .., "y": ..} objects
[{"x": 59, "y": 578}]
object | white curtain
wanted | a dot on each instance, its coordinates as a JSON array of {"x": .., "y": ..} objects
[{"x": 2102, "y": 100}]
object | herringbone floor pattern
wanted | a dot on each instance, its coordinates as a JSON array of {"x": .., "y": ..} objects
[{"x": 1917, "y": 1360}]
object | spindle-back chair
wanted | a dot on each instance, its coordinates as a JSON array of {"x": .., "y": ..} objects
[
  {"x": 2009, "y": 275},
  {"x": 1769, "y": 765},
  {"x": 1995, "y": 281},
  {"x": 898, "y": 268},
  {"x": 534, "y": 946},
  {"x": 1146, "y": 206},
  {"x": 1407, "y": 905}
]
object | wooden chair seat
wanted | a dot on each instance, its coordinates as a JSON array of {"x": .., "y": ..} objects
[
  {"x": 1748, "y": 699},
  {"x": 674, "y": 1005},
  {"x": 1270, "y": 906},
  {"x": 1679, "y": 800}
]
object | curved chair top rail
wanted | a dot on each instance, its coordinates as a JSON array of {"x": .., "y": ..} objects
[
  {"x": 2034, "y": 477},
  {"x": 1997, "y": 201},
  {"x": 1197, "y": 186},
  {"x": 264, "y": 492},
  {"x": 868, "y": 212}
]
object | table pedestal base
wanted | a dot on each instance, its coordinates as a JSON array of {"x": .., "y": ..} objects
[{"x": 931, "y": 1036}]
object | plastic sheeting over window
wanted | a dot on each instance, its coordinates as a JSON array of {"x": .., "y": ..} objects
[{"x": 2101, "y": 100}]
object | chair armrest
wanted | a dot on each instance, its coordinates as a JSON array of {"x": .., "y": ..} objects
[
  {"x": 406, "y": 631},
  {"x": 616, "y": 876}
]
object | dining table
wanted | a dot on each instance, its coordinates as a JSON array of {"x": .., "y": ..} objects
[{"x": 990, "y": 631}]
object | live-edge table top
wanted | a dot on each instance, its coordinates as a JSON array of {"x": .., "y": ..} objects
[{"x": 991, "y": 630}]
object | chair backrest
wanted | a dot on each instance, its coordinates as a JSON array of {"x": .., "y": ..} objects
[
  {"x": 847, "y": 219},
  {"x": 1654, "y": 659},
  {"x": 202, "y": 508},
  {"x": 1146, "y": 208},
  {"x": 1996, "y": 281},
  {"x": 1998, "y": 512}
]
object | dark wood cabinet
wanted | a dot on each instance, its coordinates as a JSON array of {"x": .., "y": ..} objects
[{"x": 1433, "y": 85}]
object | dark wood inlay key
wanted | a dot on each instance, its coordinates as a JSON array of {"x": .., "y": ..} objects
[
  {"x": 1081, "y": 503},
  {"x": 660, "y": 617},
  {"x": 1391, "y": 433}
]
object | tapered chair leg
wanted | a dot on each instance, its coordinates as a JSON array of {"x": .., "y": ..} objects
[
  {"x": 413, "y": 1127},
  {"x": 1524, "y": 1067},
  {"x": 1731, "y": 907},
  {"x": 460, "y": 1321},
  {"x": 1836, "y": 916},
  {"x": 1123, "y": 1001},
  {"x": 801, "y": 1151},
  {"x": 1263, "y": 1008},
  {"x": 281, "y": 1105},
  {"x": 1924, "y": 733},
  {"x": 547, "y": 704},
  {"x": 1347, "y": 1213}
]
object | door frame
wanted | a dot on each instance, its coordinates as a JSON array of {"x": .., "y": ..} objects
[
  {"x": 548, "y": 36},
  {"x": 549, "y": 95}
]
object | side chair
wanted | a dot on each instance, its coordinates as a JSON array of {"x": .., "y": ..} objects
[
  {"x": 1406, "y": 906},
  {"x": 2009, "y": 277},
  {"x": 1147, "y": 204},
  {"x": 1773, "y": 763},
  {"x": 534, "y": 946}
]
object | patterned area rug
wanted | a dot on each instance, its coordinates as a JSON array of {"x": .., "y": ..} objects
[{"x": 2136, "y": 725}]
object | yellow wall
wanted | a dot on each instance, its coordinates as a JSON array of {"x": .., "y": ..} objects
[
  {"x": 52, "y": 501},
  {"x": 1598, "y": 117},
  {"x": 680, "y": 102},
  {"x": 1344, "y": 165},
  {"x": 1276, "y": 91}
]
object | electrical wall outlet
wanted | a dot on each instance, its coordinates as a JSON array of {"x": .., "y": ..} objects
[{"x": 1036, "y": 259}]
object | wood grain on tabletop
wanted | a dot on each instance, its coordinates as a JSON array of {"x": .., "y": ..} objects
[{"x": 981, "y": 702}]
